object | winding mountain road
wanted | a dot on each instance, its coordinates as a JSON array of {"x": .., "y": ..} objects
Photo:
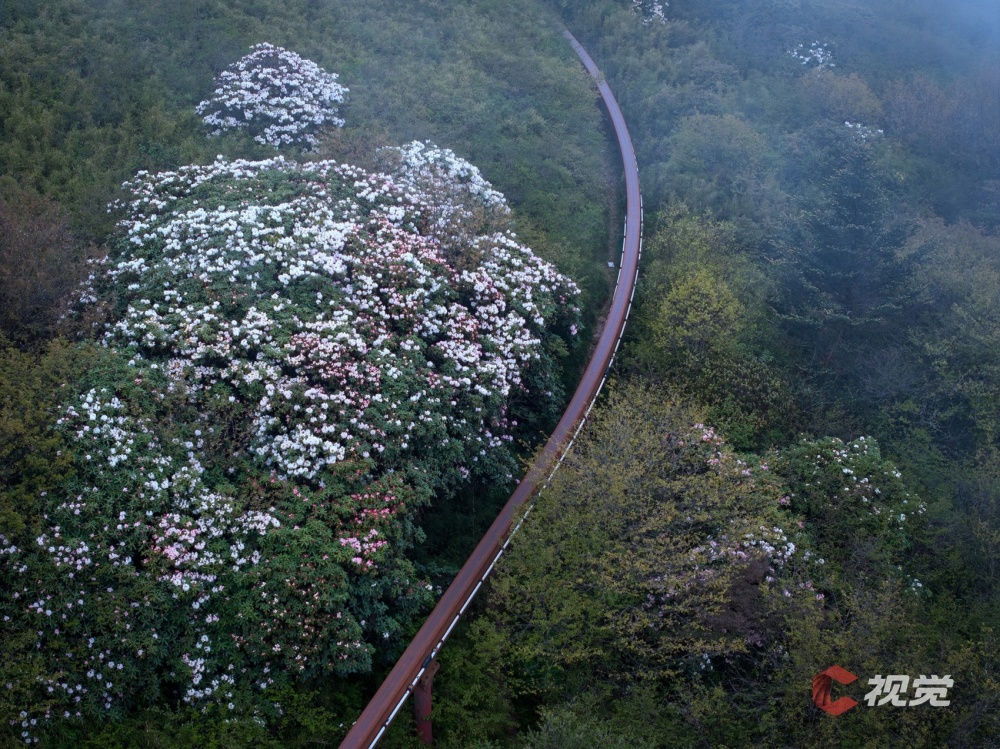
[{"x": 418, "y": 659}]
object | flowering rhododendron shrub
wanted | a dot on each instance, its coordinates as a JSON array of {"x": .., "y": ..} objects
[
  {"x": 459, "y": 194},
  {"x": 816, "y": 56},
  {"x": 650, "y": 10},
  {"x": 853, "y": 496},
  {"x": 293, "y": 365},
  {"x": 276, "y": 96}
]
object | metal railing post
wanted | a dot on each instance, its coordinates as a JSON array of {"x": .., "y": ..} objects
[{"x": 422, "y": 703}]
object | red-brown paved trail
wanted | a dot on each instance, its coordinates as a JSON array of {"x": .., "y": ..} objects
[{"x": 428, "y": 642}]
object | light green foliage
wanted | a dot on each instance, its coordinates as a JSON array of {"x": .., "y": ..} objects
[
  {"x": 698, "y": 316},
  {"x": 650, "y": 550},
  {"x": 730, "y": 662},
  {"x": 698, "y": 326}
]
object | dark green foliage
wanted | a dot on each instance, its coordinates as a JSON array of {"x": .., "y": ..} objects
[
  {"x": 953, "y": 132},
  {"x": 563, "y": 728},
  {"x": 855, "y": 505},
  {"x": 824, "y": 278},
  {"x": 717, "y": 161},
  {"x": 954, "y": 333},
  {"x": 822, "y": 170},
  {"x": 40, "y": 266},
  {"x": 807, "y": 286},
  {"x": 700, "y": 326},
  {"x": 93, "y": 91}
]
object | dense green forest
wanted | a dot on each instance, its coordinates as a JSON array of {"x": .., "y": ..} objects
[
  {"x": 818, "y": 285},
  {"x": 795, "y": 465}
]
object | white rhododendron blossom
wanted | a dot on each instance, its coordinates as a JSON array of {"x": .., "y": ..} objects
[
  {"x": 350, "y": 321},
  {"x": 650, "y": 10},
  {"x": 864, "y": 132},
  {"x": 455, "y": 194},
  {"x": 277, "y": 96},
  {"x": 816, "y": 55},
  {"x": 294, "y": 364},
  {"x": 425, "y": 168}
]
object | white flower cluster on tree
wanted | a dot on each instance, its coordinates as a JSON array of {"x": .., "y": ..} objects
[
  {"x": 276, "y": 96},
  {"x": 295, "y": 364},
  {"x": 650, "y": 10},
  {"x": 864, "y": 132},
  {"x": 818, "y": 55},
  {"x": 384, "y": 306},
  {"x": 424, "y": 167},
  {"x": 457, "y": 197}
]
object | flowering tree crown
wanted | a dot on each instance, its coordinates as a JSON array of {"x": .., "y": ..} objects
[
  {"x": 275, "y": 95},
  {"x": 292, "y": 367}
]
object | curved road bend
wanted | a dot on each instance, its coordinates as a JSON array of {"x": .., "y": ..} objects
[{"x": 404, "y": 676}]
